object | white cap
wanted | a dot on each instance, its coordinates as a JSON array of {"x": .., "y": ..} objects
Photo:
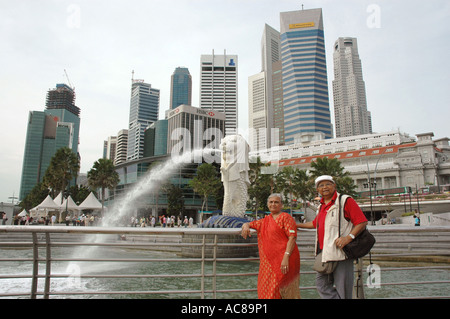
[{"x": 324, "y": 178}]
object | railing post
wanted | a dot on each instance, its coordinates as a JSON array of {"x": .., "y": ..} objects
[
  {"x": 214, "y": 284},
  {"x": 48, "y": 265},
  {"x": 358, "y": 289},
  {"x": 202, "y": 282},
  {"x": 35, "y": 271}
]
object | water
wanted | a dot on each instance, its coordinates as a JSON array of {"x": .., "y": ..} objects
[
  {"x": 146, "y": 185},
  {"x": 73, "y": 283}
]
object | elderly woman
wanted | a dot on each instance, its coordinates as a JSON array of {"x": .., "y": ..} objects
[{"x": 279, "y": 269}]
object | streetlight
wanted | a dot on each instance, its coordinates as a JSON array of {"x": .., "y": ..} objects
[
  {"x": 374, "y": 184},
  {"x": 12, "y": 198}
]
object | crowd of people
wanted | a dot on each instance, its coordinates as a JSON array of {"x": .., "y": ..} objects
[
  {"x": 53, "y": 219},
  {"x": 163, "y": 221},
  {"x": 95, "y": 220}
]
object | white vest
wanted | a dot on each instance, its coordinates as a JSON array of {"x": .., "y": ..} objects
[{"x": 330, "y": 251}]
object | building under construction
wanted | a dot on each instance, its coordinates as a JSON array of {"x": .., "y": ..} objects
[{"x": 62, "y": 97}]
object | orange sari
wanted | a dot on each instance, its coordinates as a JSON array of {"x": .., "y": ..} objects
[{"x": 273, "y": 235}]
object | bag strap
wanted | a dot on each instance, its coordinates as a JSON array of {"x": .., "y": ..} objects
[{"x": 341, "y": 209}]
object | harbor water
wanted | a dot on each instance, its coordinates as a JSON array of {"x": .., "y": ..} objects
[{"x": 379, "y": 289}]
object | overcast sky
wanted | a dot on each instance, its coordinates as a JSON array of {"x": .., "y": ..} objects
[{"x": 403, "y": 46}]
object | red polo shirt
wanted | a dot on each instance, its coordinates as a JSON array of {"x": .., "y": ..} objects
[{"x": 352, "y": 212}]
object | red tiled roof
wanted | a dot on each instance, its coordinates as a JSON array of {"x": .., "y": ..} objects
[{"x": 346, "y": 155}]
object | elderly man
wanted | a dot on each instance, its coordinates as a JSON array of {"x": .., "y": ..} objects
[{"x": 339, "y": 284}]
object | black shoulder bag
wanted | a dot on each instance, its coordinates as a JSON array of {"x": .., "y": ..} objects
[{"x": 361, "y": 245}]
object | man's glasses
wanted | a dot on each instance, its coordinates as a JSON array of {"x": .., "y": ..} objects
[{"x": 325, "y": 185}]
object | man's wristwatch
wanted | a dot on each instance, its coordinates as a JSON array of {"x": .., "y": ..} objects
[{"x": 352, "y": 236}]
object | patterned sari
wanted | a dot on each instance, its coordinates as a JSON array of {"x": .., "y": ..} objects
[{"x": 273, "y": 235}]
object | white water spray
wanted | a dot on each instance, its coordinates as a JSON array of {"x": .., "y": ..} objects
[
  {"x": 149, "y": 183},
  {"x": 146, "y": 185}
]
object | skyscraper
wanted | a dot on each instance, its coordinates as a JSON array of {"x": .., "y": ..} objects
[
  {"x": 258, "y": 117},
  {"x": 219, "y": 87},
  {"x": 191, "y": 128},
  {"x": 349, "y": 92},
  {"x": 180, "y": 88},
  {"x": 305, "y": 85},
  {"x": 144, "y": 108},
  {"x": 56, "y": 127},
  {"x": 122, "y": 145},
  {"x": 261, "y": 99}
]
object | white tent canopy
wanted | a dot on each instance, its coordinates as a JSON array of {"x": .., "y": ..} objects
[
  {"x": 91, "y": 202},
  {"x": 43, "y": 208},
  {"x": 48, "y": 204},
  {"x": 23, "y": 213},
  {"x": 59, "y": 199},
  {"x": 70, "y": 204}
]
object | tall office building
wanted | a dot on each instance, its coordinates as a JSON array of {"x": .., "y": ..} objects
[
  {"x": 56, "y": 127},
  {"x": 305, "y": 85},
  {"x": 349, "y": 91},
  {"x": 219, "y": 87},
  {"x": 258, "y": 117},
  {"x": 192, "y": 128},
  {"x": 180, "y": 88},
  {"x": 261, "y": 94},
  {"x": 121, "y": 148},
  {"x": 277, "y": 95},
  {"x": 110, "y": 148},
  {"x": 144, "y": 108}
]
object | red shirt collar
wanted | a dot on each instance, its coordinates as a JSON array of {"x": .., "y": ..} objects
[{"x": 322, "y": 201}]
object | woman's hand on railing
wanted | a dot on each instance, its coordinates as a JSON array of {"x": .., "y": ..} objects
[{"x": 245, "y": 232}]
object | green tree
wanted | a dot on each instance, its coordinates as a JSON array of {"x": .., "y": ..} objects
[
  {"x": 333, "y": 167},
  {"x": 303, "y": 186},
  {"x": 261, "y": 185},
  {"x": 103, "y": 176},
  {"x": 79, "y": 193},
  {"x": 285, "y": 181},
  {"x": 64, "y": 166},
  {"x": 206, "y": 183},
  {"x": 35, "y": 197},
  {"x": 174, "y": 199}
]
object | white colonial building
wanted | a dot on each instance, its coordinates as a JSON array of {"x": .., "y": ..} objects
[{"x": 391, "y": 159}]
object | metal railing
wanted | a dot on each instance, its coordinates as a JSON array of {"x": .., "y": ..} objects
[{"x": 39, "y": 247}]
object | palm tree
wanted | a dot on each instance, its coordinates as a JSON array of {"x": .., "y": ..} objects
[
  {"x": 303, "y": 186},
  {"x": 285, "y": 183},
  {"x": 103, "y": 175},
  {"x": 63, "y": 167},
  {"x": 333, "y": 167}
]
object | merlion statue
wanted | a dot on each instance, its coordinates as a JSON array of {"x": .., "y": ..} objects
[{"x": 234, "y": 169}]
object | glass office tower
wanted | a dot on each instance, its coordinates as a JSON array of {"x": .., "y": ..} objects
[
  {"x": 180, "y": 88},
  {"x": 305, "y": 85},
  {"x": 56, "y": 127}
]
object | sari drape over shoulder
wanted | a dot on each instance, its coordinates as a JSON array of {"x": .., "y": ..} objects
[{"x": 273, "y": 236}]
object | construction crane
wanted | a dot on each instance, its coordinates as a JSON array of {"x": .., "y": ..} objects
[{"x": 70, "y": 84}]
